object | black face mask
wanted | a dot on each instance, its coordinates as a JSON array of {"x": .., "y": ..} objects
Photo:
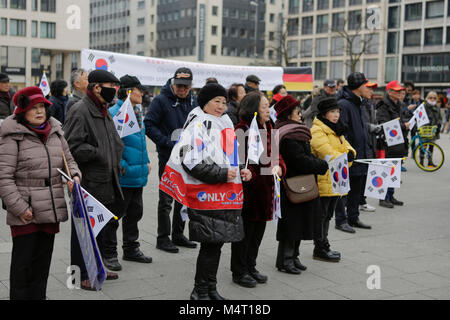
[{"x": 108, "y": 94}]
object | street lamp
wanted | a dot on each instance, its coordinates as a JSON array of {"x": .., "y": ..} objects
[{"x": 255, "y": 4}]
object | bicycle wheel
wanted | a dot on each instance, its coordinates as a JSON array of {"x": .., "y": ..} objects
[{"x": 430, "y": 157}]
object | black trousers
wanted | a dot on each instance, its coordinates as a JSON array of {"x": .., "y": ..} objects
[
  {"x": 328, "y": 205},
  {"x": 207, "y": 265},
  {"x": 354, "y": 197},
  {"x": 245, "y": 252},
  {"x": 164, "y": 209},
  {"x": 287, "y": 252},
  {"x": 130, "y": 210},
  {"x": 30, "y": 265}
]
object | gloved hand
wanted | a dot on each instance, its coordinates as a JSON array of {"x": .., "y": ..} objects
[{"x": 350, "y": 156}]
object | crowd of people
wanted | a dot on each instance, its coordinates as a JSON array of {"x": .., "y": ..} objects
[{"x": 77, "y": 132}]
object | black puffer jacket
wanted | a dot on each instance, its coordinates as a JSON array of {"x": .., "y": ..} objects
[{"x": 213, "y": 225}]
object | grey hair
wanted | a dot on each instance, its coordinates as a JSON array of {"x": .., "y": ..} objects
[{"x": 75, "y": 76}]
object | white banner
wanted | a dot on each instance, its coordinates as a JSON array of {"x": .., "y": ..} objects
[
  {"x": 156, "y": 72},
  {"x": 393, "y": 132}
]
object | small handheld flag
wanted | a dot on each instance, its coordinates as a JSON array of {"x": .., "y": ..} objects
[
  {"x": 125, "y": 120},
  {"x": 255, "y": 145},
  {"x": 44, "y": 85}
]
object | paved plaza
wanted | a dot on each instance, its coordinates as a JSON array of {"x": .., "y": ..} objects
[{"x": 409, "y": 244}]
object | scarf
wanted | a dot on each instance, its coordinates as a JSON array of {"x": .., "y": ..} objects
[
  {"x": 42, "y": 131},
  {"x": 103, "y": 108},
  {"x": 5, "y": 95},
  {"x": 294, "y": 130},
  {"x": 339, "y": 128}
]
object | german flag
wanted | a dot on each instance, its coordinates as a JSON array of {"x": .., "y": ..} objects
[{"x": 298, "y": 78}]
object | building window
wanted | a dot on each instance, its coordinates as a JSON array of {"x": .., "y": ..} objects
[
  {"x": 215, "y": 10},
  {"x": 271, "y": 36},
  {"x": 413, "y": 11},
  {"x": 292, "y": 49},
  {"x": 392, "y": 42},
  {"x": 371, "y": 68},
  {"x": 338, "y": 3},
  {"x": 433, "y": 36},
  {"x": 272, "y": 18},
  {"x": 18, "y": 4},
  {"x": 435, "y": 9},
  {"x": 338, "y": 21},
  {"x": 140, "y": 38},
  {"x": 306, "y": 48},
  {"x": 48, "y": 30},
  {"x": 391, "y": 69},
  {"x": 323, "y": 4},
  {"x": 336, "y": 69},
  {"x": 337, "y": 46},
  {"x": 141, "y": 5},
  {"x": 320, "y": 72},
  {"x": 214, "y": 50},
  {"x": 348, "y": 67},
  {"x": 412, "y": 38},
  {"x": 3, "y": 26},
  {"x": 394, "y": 17},
  {"x": 292, "y": 27},
  {"x": 141, "y": 22},
  {"x": 294, "y": 6},
  {"x": 322, "y": 47},
  {"x": 448, "y": 34},
  {"x": 372, "y": 43},
  {"x": 225, "y": 12},
  {"x": 34, "y": 29},
  {"x": 3, "y": 3},
  {"x": 34, "y": 5},
  {"x": 355, "y": 2},
  {"x": 48, "y": 5},
  {"x": 214, "y": 30},
  {"x": 322, "y": 23},
  {"x": 17, "y": 28},
  {"x": 354, "y": 20},
  {"x": 308, "y": 5},
  {"x": 307, "y": 25}
]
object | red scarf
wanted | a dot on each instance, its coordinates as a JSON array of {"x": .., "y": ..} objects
[
  {"x": 103, "y": 108},
  {"x": 42, "y": 131}
]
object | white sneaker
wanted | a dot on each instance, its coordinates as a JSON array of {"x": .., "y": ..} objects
[{"x": 367, "y": 208}]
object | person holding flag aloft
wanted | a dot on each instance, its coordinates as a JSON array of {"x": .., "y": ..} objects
[
  {"x": 299, "y": 221},
  {"x": 328, "y": 142},
  {"x": 135, "y": 168},
  {"x": 254, "y": 115}
]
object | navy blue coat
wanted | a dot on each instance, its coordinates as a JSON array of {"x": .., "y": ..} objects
[
  {"x": 167, "y": 113},
  {"x": 58, "y": 110},
  {"x": 357, "y": 134}
]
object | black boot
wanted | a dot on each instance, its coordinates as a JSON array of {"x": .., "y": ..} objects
[
  {"x": 200, "y": 292},
  {"x": 213, "y": 294}
]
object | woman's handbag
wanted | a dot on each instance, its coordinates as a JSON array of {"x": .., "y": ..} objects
[{"x": 301, "y": 188}]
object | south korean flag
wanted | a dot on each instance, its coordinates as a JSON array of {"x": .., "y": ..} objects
[
  {"x": 339, "y": 175},
  {"x": 377, "y": 181},
  {"x": 396, "y": 172},
  {"x": 393, "y": 133}
]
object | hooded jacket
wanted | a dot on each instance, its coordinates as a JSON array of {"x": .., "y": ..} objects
[
  {"x": 28, "y": 172},
  {"x": 166, "y": 114}
]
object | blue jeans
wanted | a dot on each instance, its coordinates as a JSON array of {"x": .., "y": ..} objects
[{"x": 389, "y": 194}]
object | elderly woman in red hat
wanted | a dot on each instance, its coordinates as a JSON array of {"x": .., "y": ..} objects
[
  {"x": 298, "y": 221},
  {"x": 32, "y": 145}
]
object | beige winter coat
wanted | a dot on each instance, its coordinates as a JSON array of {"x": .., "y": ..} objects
[{"x": 28, "y": 173}]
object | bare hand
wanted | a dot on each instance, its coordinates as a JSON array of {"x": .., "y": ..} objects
[
  {"x": 277, "y": 170},
  {"x": 149, "y": 168},
  {"x": 70, "y": 183},
  {"x": 246, "y": 175},
  {"x": 232, "y": 174},
  {"x": 411, "y": 106},
  {"x": 407, "y": 125},
  {"x": 27, "y": 216}
]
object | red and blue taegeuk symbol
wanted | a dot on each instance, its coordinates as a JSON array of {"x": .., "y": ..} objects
[
  {"x": 393, "y": 133},
  {"x": 101, "y": 64},
  {"x": 336, "y": 176},
  {"x": 44, "y": 84},
  {"x": 420, "y": 114},
  {"x": 230, "y": 146},
  {"x": 199, "y": 144},
  {"x": 377, "y": 182},
  {"x": 345, "y": 173},
  {"x": 126, "y": 119}
]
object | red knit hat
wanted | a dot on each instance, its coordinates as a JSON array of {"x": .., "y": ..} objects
[
  {"x": 27, "y": 98},
  {"x": 286, "y": 104}
]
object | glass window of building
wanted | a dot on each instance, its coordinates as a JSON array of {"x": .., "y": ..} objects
[
  {"x": 337, "y": 46},
  {"x": 433, "y": 36},
  {"x": 15, "y": 56},
  {"x": 413, "y": 11},
  {"x": 141, "y": 5},
  {"x": 307, "y": 25},
  {"x": 448, "y": 35},
  {"x": 392, "y": 42},
  {"x": 140, "y": 38},
  {"x": 3, "y": 3},
  {"x": 292, "y": 49},
  {"x": 394, "y": 17},
  {"x": 320, "y": 72},
  {"x": 306, "y": 48},
  {"x": 412, "y": 38},
  {"x": 338, "y": 21},
  {"x": 294, "y": 6},
  {"x": 336, "y": 69},
  {"x": 215, "y": 10},
  {"x": 352, "y": 66},
  {"x": 355, "y": 2},
  {"x": 34, "y": 29},
  {"x": 322, "y": 47},
  {"x": 48, "y": 30},
  {"x": 371, "y": 68},
  {"x": 17, "y": 27},
  {"x": 338, "y": 3},
  {"x": 322, "y": 23},
  {"x": 391, "y": 69},
  {"x": 292, "y": 27},
  {"x": 48, "y": 5},
  {"x": 214, "y": 50},
  {"x": 3, "y": 26},
  {"x": 323, "y": 4},
  {"x": 308, "y": 5},
  {"x": 141, "y": 22},
  {"x": 356, "y": 45},
  {"x": 18, "y": 4},
  {"x": 372, "y": 43},
  {"x": 354, "y": 20},
  {"x": 34, "y": 5},
  {"x": 435, "y": 9},
  {"x": 373, "y": 1}
]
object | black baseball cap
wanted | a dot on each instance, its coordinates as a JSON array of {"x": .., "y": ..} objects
[
  {"x": 4, "y": 77},
  {"x": 102, "y": 76},
  {"x": 253, "y": 78},
  {"x": 356, "y": 80},
  {"x": 329, "y": 83},
  {"x": 128, "y": 81},
  {"x": 183, "y": 76}
]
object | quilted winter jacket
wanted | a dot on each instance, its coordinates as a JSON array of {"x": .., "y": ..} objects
[
  {"x": 134, "y": 157},
  {"x": 325, "y": 142},
  {"x": 28, "y": 173}
]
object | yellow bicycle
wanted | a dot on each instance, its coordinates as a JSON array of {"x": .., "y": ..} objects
[{"x": 427, "y": 149}]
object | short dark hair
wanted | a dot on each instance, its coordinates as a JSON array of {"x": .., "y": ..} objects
[
  {"x": 410, "y": 83},
  {"x": 339, "y": 81},
  {"x": 249, "y": 105},
  {"x": 211, "y": 80},
  {"x": 122, "y": 93},
  {"x": 233, "y": 91},
  {"x": 57, "y": 87},
  {"x": 20, "y": 117},
  {"x": 278, "y": 88}
]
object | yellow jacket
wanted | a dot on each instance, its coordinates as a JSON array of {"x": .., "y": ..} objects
[{"x": 325, "y": 142}]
